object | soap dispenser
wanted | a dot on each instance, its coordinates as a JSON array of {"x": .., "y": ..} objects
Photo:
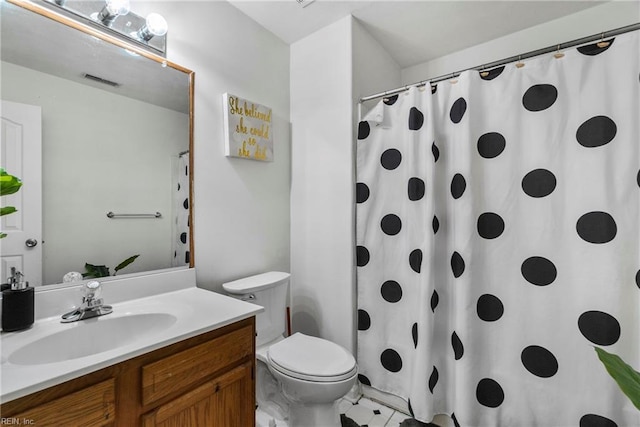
[{"x": 17, "y": 303}]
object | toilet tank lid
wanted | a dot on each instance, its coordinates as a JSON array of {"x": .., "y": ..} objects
[{"x": 256, "y": 283}]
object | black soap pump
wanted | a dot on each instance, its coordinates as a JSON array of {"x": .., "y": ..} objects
[{"x": 17, "y": 303}]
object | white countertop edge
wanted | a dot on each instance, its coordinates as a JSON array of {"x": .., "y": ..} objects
[{"x": 240, "y": 310}]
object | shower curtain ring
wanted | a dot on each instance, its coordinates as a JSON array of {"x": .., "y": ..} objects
[
  {"x": 483, "y": 73},
  {"x": 558, "y": 54},
  {"x": 453, "y": 79},
  {"x": 519, "y": 64},
  {"x": 602, "y": 44}
]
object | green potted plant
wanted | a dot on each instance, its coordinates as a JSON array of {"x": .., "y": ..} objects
[
  {"x": 9, "y": 184},
  {"x": 95, "y": 271},
  {"x": 628, "y": 379}
]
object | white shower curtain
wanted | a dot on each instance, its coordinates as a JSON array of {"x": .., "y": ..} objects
[
  {"x": 180, "y": 243},
  {"x": 498, "y": 232}
]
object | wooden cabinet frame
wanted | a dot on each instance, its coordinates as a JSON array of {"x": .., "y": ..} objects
[{"x": 217, "y": 365}]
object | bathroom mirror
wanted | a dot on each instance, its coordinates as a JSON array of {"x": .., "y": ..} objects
[{"x": 116, "y": 136}]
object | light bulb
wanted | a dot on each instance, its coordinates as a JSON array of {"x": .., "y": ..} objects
[
  {"x": 111, "y": 10},
  {"x": 118, "y": 7},
  {"x": 155, "y": 25}
]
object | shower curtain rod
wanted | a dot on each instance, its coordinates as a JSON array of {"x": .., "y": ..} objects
[{"x": 489, "y": 66}]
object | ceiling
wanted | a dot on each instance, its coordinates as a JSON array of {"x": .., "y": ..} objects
[{"x": 411, "y": 31}]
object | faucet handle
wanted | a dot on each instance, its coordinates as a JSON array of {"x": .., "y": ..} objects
[{"x": 92, "y": 291}]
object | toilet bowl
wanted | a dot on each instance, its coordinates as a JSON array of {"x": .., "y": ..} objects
[{"x": 308, "y": 375}]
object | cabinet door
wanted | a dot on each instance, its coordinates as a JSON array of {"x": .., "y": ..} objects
[
  {"x": 224, "y": 401},
  {"x": 92, "y": 406}
]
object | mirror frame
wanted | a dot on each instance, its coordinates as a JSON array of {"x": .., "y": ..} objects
[{"x": 51, "y": 13}]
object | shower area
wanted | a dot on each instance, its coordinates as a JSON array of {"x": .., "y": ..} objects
[
  {"x": 180, "y": 210},
  {"x": 498, "y": 239}
]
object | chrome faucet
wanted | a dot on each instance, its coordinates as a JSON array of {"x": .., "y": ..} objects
[{"x": 91, "y": 306}]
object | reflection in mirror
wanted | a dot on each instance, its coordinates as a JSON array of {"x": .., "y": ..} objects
[{"x": 91, "y": 128}]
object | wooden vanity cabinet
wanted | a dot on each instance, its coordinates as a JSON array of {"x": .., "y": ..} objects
[{"x": 207, "y": 380}]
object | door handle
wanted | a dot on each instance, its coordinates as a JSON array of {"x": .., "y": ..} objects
[{"x": 30, "y": 243}]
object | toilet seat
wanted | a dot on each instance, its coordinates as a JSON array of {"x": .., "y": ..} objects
[{"x": 312, "y": 359}]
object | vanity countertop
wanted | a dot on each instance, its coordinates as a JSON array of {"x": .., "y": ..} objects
[{"x": 193, "y": 311}]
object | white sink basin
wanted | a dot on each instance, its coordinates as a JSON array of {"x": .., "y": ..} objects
[{"x": 91, "y": 336}]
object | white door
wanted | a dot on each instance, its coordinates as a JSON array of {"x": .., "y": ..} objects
[{"x": 21, "y": 156}]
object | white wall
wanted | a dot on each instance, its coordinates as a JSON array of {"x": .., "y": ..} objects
[
  {"x": 374, "y": 70},
  {"x": 330, "y": 69},
  {"x": 321, "y": 194},
  {"x": 131, "y": 173},
  {"x": 590, "y": 21},
  {"x": 241, "y": 206}
]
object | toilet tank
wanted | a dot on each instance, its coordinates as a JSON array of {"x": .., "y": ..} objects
[{"x": 268, "y": 290}]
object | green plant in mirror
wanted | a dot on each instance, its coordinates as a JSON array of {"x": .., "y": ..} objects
[
  {"x": 628, "y": 379},
  {"x": 9, "y": 184},
  {"x": 95, "y": 271}
]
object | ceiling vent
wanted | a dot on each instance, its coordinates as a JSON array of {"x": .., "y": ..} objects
[{"x": 100, "y": 80}]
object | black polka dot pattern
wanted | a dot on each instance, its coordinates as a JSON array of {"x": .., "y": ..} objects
[
  {"x": 364, "y": 380},
  {"x": 539, "y": 183},
  {"x": 539, "y": 271},
  {"x": 435, "y": 299},
  {"x": 458, "y": 348},
  {"x": 416, "y": 188},
  {"x": 595, "y": 48},
  {"x": 539, "y": 361},
  {"x": 364, "y": 320},
  {"x": 362, "y": 192},
  {"x": 416, "y": 119},
  {"x": 458, "y": 185},
  {"x": 593, "y": 420},
  {"x": 489, "y": 308},
  {"x": 415, "y": 260},
  {"x": 391, "y": 224},
  {"x": 391, "y": 360},
  {"x": 597, "y": 227},
  {"x": 598, "y": 327},
  {"x": 391, "y": 291},
  {"x": 433, "y": 379},
  {"x": 390, "y": 100},
  {"x": 596, "y": 132},
  {"x": 457, "y": 110},
  {"x": 363, "y": 130},
  {"x": 490, "y": 225},
  {"x": 414, "y": 335},
  {"x": 496, "y": 230},
  {"x": 539, "y": 97},
  {"x": 391, "y": 159},
  {"x": 457, "y": 264},
  {"x": 489, "y": 393},
  {"x": 491, "y": 74},
  {"x": 491, "y": 145},
  {"x": 436, "y": 151},
  {"x": 362, "y": 256}
]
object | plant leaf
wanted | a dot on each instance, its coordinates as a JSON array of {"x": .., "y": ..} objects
[
  {"x": 3, "y": 235},
  {"x": 6, "y": 210},
  {"x": 9, "y": 184},
  {"x": 95, "y": 270},
  {"x": 125, "y": 263},
  {"x": 627, "y": 378}
]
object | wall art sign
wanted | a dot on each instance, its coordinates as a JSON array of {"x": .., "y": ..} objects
[{"x": 247, "y": 129}]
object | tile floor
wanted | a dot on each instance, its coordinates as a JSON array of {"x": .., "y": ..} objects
[
  {"x": 364, "y": 413},
  {"x": 367, "y": 413}
]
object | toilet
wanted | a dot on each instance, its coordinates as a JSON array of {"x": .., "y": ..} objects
[{"x": 300, "y": 377}]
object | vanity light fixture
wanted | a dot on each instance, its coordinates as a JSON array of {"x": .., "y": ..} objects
[
  {"x": 155, "y": 25},
  {"x": 115, "y": 17}
]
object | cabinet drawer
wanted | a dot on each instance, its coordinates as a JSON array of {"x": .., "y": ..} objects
[
  {"x": 91, "y": 406},
  {"x": 179, "y": 371}
]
